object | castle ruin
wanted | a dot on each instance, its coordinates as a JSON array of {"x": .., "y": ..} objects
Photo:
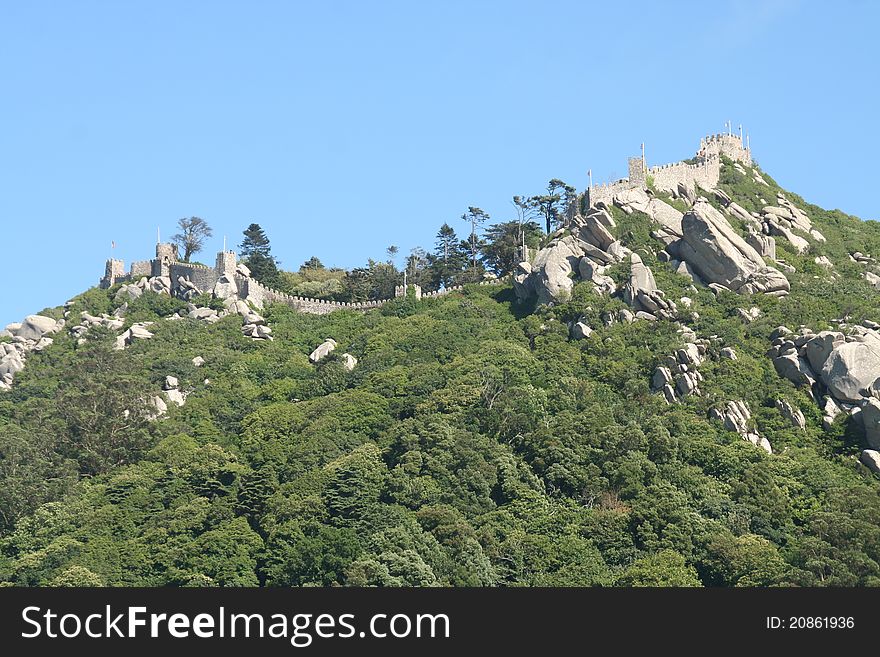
[
  {"x": 704, "y": 170},
  {"x": 179, "y": 277}
]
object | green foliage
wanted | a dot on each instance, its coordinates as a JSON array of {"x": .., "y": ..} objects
[{"x": 474, "y": 444}]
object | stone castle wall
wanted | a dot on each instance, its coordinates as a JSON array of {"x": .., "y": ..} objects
[
  {"x": 705, "y": 172},
  {"x": 205, "y": 278},
  {"x": 667, "y": 177}
]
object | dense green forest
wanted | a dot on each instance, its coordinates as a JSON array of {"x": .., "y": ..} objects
[{"x": 474, "y": 444}]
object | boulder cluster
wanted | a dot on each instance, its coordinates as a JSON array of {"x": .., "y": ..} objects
[
  {"x": 700, "y": 244},
  {"x": 137, "y": 331},
  {"x": 172, "y": 392},
  {"x": 678, "y": 376},
  {"x": 736, "y": 416},
  {"x": 586, "y": 248},
  {"x": 643, "y": 295},
  {"x": 31, "y": 334},
  {"x": 711, "y": 252},
  {"x": 840, "y": 369}
]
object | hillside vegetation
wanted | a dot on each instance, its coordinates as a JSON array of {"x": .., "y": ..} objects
[{"x": 476, "y": 443}]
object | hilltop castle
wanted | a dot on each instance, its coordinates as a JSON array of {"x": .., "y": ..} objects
[
  {"x": 704, "y": 170},
  {"x": 228, "y": 277}
]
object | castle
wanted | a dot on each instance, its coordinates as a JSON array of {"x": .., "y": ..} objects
[
  {"x": 181, "y": 277},
  {"x": 704, "y": 171},
  {"x": 166, "y": 265}
]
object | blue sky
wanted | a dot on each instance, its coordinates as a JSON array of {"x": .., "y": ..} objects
[{"x": 343, "y": 127}]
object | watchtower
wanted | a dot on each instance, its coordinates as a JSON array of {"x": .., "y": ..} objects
[
  {"x": 113, "y": 270},
  {"x": 637, "y": 170},
  {"x": 225, "y": 262},
  {"x": 165, "y": 254}
]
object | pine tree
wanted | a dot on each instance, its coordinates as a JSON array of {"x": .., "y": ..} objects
[{"x": 256, "y": 252}]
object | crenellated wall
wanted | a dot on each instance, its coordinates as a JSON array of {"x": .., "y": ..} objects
[
  {"x": 705, "y": 172},
  {"x": 205, "y": 278}
]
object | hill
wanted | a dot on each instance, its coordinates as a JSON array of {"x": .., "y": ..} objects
[{"x": 678, "y": 387}]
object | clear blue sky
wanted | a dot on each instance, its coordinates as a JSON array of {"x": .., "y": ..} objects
[{"x": 343, "y": 127}]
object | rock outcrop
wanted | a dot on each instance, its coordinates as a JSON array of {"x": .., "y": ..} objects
[
  {"x": 841, "y": 369},
  {"x": 791, "y": 413},
  {"x": 735, "y": 415},
  {"x": 323, "y": 350},
  {"x": 642, "y": 294},
  {"x": 720, "y": 256}
]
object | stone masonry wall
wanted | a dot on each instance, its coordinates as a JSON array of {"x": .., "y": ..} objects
[
  {"x": 705, "y": 172},
  {"x": 205, "y": 278}
]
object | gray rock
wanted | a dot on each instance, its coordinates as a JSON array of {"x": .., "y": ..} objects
[
  {"x": 349, "y": 362},
  {"x": 830, "y": 410},
  {"x": 819, "y": 348},
  {"x": 522, "y": 281},
  {"x": 550, "y": 271},
  {"x": 171, "y": 383},
  {"x": 791, "y": 413},
  {"x": 11, "y": 363},
  {"x": 871, "y": 458},
  {"x": 720, "y": 256},
  {"x": 795, "y": 369},
  {"x": 593, "y": 230},
  {"x": 642, "y": 294},
  {"x": 35, "y": 327},
  {"x": 198, "y": 361},
  {"x": 160, "y": 406},
  {"x": 728, "y": 353},
  {"x": 322, "y": 350},
  {"x": 661, "y": 378},
  {"x": 127, "y": 293},
  {"x": 242, "y": 269},
  {"x": 204, "y": 314},
  {"x": 870, "y": 416},
  {"x": 580, "y": 331},
  {"x": 735, "y": 416},
  {"x": 625, "y": 316},
  {"x": 225, "y": 287},
  {"x": 175, "y": 396},
  {"x": 851, "y": 368}
]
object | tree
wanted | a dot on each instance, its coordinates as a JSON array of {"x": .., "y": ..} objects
[
  {"x": 106, "y": 412},
  {"x": 504, "y": 240},
  {"x": 191, "y": 238},
  {"x": 255, "y": 242},
  {"x": 448, "y": 258},
  {"x": 311, "y": 264},
  {"x": 257, "y": 254},
  {"x": 392, "y": 252},
  {"x": 476, "y": 217},
  {"x": 553, "y": 204}
]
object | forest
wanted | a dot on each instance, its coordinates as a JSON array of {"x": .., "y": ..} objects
[{"x": 476, "y": 443}]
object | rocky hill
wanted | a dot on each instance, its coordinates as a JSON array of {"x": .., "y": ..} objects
[{"x": 680, "y": 387}]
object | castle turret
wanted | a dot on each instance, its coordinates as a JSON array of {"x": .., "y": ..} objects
[
  {"x": 637, "y": 170},
  {"x": 226, "y": 262},
  {"x": 165, "y": 254},
  {"x": 113, "y": 270}
]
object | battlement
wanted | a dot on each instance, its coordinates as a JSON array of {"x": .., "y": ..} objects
[
  {"x": 704, "y": 172},
  {"x": 206, "y": 278}
]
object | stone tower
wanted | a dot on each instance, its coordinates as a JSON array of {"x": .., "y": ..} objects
[
  {"x": 165, "y": 255},
  {"x": 637, "y": 170},
  {"x": 113, "y": 270},
  {"x": 226, "y": 262}
]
